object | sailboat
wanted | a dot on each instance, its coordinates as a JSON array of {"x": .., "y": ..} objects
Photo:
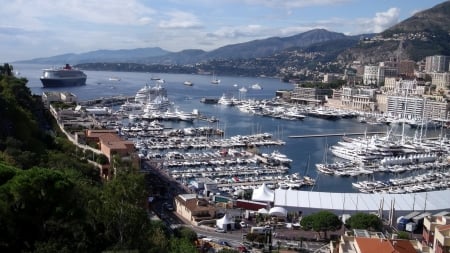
[{"x": 215, "y": 80}]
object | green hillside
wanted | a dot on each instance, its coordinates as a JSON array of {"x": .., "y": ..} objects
[{"x": 52, "y": 199}]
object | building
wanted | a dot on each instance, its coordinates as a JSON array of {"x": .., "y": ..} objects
[
  {"x": 206, "y": 185},
  {"x": 361, "y": 99},
  {"x": 54, "y": 96},
  {"x": 402, "y": 86},
  {"x": 329, "y": 78},
  {"x": 404, "y": 107},
  {"x": 195, "y": 210},
  {"x": 310, "y": 96},
  {"x": 426, "y": 107},
  {"x": 373, "y": 75},
  {"x": 436, "y": 107},
  {"x": 363, "y": 241},
  {"x": 441, "y": 81},
  {"x": 406, "y": 68},
  {"x": 110, "y": 143},
  {"x": 437, "y": 63},
  {"x": 436, "y": 233},
  {"x": 390, "y": 68}
]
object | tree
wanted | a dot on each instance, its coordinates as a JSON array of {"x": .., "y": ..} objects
[
  {"x": 365, "y": 221},
  {"x": 41, "y": 208},
  {"x": 123, "y": 214},
  {"x": 181, "y": 245},
  {"x": 322, "y": 221}
]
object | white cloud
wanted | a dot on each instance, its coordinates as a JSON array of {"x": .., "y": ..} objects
[
  {"x": 384, "y": 20},
  {"x": 38, "y": 14},
  {"x": 379, "y": 23},
  {"x": 294, "y": 3},
  {"x": 180, "y": 19},
  {"x": 239, "y": 31}
]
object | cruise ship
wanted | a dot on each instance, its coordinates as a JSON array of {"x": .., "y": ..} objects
[{"x": 62, "y": 77}]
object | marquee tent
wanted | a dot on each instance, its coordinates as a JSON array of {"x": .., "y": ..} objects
[
  {"x": 225, "y": 223},
  {"x": 278, "y": 211},
  {"x": 263, "y": 194}
]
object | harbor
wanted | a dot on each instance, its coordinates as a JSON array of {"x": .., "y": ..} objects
[
  {"x": 235, "y": 163},
  {"x": 225, "y": 122}
]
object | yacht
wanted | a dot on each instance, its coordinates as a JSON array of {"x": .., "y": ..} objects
[
  {"x": 215, "y": 80},
  {"x": 256, "y": 86}
]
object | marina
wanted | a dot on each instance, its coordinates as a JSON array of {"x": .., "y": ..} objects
[
  {"x": 232, "y": 121},
  {"x": 235, "y": 164}
]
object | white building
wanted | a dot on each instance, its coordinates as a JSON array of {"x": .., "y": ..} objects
[
  {"x": 373, "y": 75},
  {"x": 441, "y": 81}
]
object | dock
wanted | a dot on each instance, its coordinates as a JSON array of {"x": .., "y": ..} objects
[
  {"x": 107, "y": 101},
  {"x": 335, "y": 134}
]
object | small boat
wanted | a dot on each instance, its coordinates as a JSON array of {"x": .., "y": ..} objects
[
  {"x": 215, "y": 80},
  {"x": 114, "y": 78},
  {"x": 256, "y": 86},
  {"x": 188, "y": 83},
  {"x": 242, "y": 89}
]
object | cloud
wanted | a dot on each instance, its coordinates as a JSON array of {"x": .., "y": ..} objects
[
  {"x": 38, "y": 14},
  {"x": 294, "y": 3},
  {"x": 180, "y": 19},
  {"x": 384, "y": 20},
  {"x": 380, "y": 22},
  {"x": 239, "y": 32}
]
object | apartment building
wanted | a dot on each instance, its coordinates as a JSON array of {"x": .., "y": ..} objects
[
  {"x": 436, "y": 233},
  {"x": 363, "y": 241},
  {"x": 437, "y": 63}
]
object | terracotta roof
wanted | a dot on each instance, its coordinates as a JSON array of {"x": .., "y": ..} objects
[
  {"x": 377, "y": 245},
  {"x": 403, "y": 246},
  {"x": 444, "y": 227},
  {"x": 373, "y": 245}
]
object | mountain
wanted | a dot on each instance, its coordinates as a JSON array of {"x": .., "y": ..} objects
[
  {"x": 122, "y": 55},
  {"x": 251, "y": 49},
  {"x": 425, "y": 33},
  {"x": 270, "y": 46}
]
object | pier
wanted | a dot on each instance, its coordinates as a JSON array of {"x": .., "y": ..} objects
[
  {"x": 107, "y": 101},
  {"x": 335, "y": 134}
]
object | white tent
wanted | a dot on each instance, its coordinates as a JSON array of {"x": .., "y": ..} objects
[
  {"x": 225, "y": 223},
  {"x": 263, "y": 211},
  {"x": 263, "y": 194},
  {"x": 278, "y": 211}
]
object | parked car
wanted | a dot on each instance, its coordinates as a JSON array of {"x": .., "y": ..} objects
[
  {"x": 243, "y": 224},
  {"x": 220, "y": 230},
  {"x": 224, "y": 243},
  {"x": 168, "y": 206}
]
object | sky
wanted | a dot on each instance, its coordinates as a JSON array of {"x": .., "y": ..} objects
[{"x": 42, "y": 28}]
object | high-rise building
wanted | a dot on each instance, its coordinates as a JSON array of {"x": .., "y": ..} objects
[
  {"x": 406, "y": 68},
  {"x": 436, "y": 63}
]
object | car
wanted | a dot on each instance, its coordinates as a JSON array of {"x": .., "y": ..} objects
[
  {"x": 242, "y": 249},
  {"x": 168, "y": 206},
  {"x": 224, "y": 243},
  {"x": 243, "y": 224},
  {"x": 201, "y": 236},
  {"x": 220, "y": 230}
]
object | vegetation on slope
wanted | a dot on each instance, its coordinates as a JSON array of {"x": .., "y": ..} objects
[{"x": 52, "y": 200}]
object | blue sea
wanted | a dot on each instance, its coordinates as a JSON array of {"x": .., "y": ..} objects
[{"x": 305, "y": 152}]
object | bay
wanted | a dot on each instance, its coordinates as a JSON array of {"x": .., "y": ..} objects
[{"x": 305, "y": 152}]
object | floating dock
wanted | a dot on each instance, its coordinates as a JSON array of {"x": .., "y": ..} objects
[{"x": 335, "y": 134}]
